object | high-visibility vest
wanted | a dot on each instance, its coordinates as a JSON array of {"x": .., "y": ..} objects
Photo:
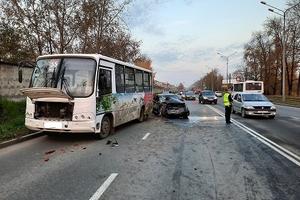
[{"x": 226, "y": 99}]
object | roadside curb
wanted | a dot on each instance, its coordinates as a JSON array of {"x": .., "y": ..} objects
[
  {"x": 21, "y": 139},
  {"x": 288, "y": 105}
]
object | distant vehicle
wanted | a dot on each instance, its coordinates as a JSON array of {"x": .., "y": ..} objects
[
  {"x": 253, "y": 104},
  {"x": 170, "y": 105},
  {"x": 86, "y": 93},
  {"x": 249, "y": 86},
  {"x": 219, "y": 93},
  {"x": 190, "y": 95},
  {"x": 207, "y": 96},
  {"x": 182, "y": 95}
]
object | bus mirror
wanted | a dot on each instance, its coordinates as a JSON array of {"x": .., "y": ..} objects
[{"x": 20, "y": 74}]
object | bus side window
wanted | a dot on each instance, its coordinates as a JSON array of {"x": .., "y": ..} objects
[
  {"x": 139, "y": 80},
  {"x": 104, "y": 82},
  {"x": 146, "y": 82},
  {"x": 120, "y": 81},
  {"x": 129, "y": 80}
]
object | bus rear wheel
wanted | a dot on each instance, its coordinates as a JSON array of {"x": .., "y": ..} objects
[
  {"x": 142, "y": 115},
  {"x": 106, "y": 128}
]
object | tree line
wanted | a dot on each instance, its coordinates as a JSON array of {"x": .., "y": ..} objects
[
  {"x": 263, "y": 53},
  {"x": 29, "y": 28},
  {"x": 211, "y": 81}
]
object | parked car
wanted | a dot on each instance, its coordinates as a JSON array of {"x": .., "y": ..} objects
[
  {"x": 207, "y": 96},
  {"x": 219, "y": 93},
  {"x": 190, "y": 95},
  {"x": 253, "y": 104},
  {"x": 170, "y": 105}
]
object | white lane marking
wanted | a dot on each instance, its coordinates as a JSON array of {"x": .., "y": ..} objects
[
  {"x": 279, "y": 149},
  {"x": 296, "y": 118},
  {"x": 103, "y": 187},
  {"x": 145, "y": 137}
]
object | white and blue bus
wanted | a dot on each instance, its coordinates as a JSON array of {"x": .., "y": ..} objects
[
  {"x": 86, "y": 93},
  {"x": 249, "y": 86}
]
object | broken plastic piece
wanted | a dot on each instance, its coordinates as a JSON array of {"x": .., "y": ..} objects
[
  {"x": 49, "y": 152},
  {"x": 108, "y": 142}
]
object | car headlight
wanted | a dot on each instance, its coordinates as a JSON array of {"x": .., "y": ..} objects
[
  {"x": 215, "y": 97},
  {"x": 249, "y": 107},
  {"x": 273, "y": 107}
]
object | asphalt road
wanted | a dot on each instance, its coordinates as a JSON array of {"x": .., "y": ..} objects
[
  {"x": 198, "y": 158},
  {"x": 284, "y": 129}
]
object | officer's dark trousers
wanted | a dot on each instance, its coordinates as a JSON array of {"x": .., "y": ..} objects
[{"x": 227, "y": 113}]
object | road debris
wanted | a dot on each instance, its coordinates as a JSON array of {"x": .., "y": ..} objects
[
  {"x": 108, "y": 142},
  {"x": 49, "y": 152},
  {"x": 115, "y": 143}
]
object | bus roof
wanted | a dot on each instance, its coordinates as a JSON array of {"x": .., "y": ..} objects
[{"x": 97, "y": 57}]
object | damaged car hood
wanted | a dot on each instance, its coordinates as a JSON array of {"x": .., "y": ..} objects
[
  {"x": 36, "y": 93},
  {"x": 175, "y": 101}
]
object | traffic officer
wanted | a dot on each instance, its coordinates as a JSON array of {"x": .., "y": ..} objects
[{"x": 227, "y": 104}]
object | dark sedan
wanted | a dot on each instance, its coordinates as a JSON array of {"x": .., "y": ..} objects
[
  {"x": 168, "y": 105},
  {"x": 208, "y": 96},
  {"x": 190, "y": 95}
]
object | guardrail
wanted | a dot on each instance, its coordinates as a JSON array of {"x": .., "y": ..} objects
[{"x": 290, "y": 101}]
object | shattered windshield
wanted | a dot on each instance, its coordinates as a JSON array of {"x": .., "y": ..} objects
[{"x": 74, "y": 76}]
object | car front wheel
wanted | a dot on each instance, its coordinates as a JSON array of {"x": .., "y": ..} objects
[{"x": 243, "y": 113}]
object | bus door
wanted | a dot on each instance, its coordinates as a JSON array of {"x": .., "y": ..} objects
[{"x": 104, "y": 100}]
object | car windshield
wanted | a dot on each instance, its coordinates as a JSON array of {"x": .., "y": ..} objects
[
  {"x": 254, "y": 97},
  {"x": 209, "y": 93},
  {"x": 74, "y": 76}
]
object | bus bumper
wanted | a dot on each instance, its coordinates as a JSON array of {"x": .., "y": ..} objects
[{"x": 60, "y": 126}]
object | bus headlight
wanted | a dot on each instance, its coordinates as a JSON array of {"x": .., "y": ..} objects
[{"x": 83, "y": 117}]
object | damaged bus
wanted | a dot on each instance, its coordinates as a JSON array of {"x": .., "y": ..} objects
[{"x": 86, "y": 93}]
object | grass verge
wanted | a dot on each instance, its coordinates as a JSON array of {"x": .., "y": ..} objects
[
  {"x": 290, "y": 101},
  {"x": 12, "y": 115}
]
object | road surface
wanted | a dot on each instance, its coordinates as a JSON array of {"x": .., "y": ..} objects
[
  {"x": 284, "y": 129},
  {"x": 168, "y": 159}
]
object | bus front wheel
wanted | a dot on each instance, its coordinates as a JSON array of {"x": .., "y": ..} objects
[{"x": 106, "y": 128}]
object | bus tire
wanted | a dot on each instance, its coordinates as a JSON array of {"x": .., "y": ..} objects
[
  {"x": 142, "y": 115},
  {"x": 106, "y": 128}
]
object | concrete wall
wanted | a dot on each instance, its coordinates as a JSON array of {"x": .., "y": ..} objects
[{"x": 9, "y": 80}]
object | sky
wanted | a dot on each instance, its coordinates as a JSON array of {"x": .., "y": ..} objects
[{"x": 183, "y": 37}]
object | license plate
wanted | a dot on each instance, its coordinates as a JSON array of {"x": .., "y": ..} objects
[
  {"x": 173, "y": 111},
  {"x": 262, "y": 111},
  {"x": 53, "y": 125}
]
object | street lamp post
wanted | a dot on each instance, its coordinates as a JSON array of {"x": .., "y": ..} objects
[
  {"x": 227, "y": 60},
  {"x": 283, "y": 14}
]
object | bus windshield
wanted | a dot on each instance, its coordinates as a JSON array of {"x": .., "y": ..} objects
[
  {"x": 75, "y": 76},
  {"x": 253, "y": 86}
]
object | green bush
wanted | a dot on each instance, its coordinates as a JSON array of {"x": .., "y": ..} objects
[{"x": 12, "y": 116}]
